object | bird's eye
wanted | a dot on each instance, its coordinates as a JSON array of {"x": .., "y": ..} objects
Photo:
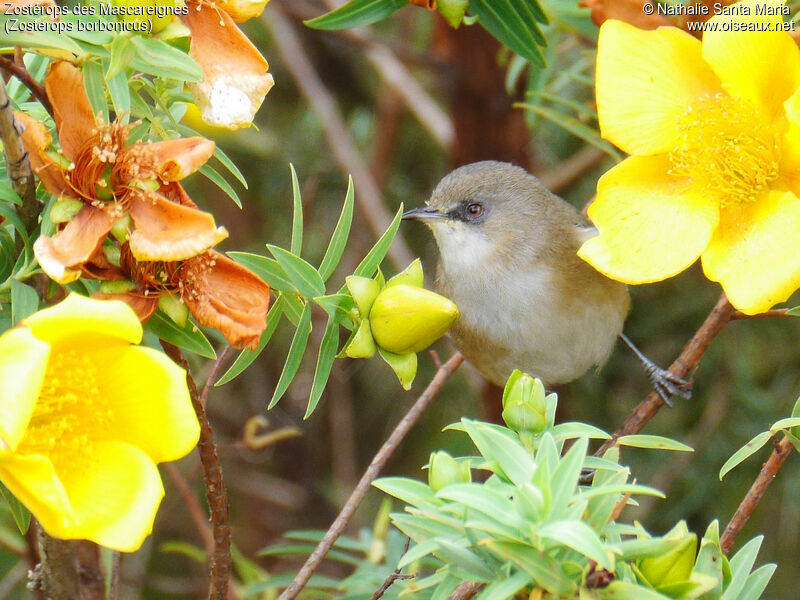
[{"x": 474, "y": 210}]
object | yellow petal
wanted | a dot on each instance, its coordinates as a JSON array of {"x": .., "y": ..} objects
[
  {"x": 23, "y": 361},
  {"x": 652, "y": 225},
  {"x": 114, "y": 489},
  {"x": 80, "y": 322},
  {"x": 149, "y": 400},
  {"x": 34, "y": 482},
  {"x": 755, "y": 252},
  {"x": 645, "y": 82},
  {"x": 762, "y": 67}
]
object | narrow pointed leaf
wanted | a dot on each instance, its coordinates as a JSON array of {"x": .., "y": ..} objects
[
  {"x": 296, "y": 351},
  {"x": 24, "y": 301},
  {"x": 302, "y": 275},
  {"x": 267, "y": 268},
  {"x": 188, "y": 337},
  {"x": 655, "y": 442},
  {"x": 744, "y": 452},
  {"x": 327, "y": 354},
  {"x": 367, "y": 267},
  {"x": 339, "y": 237},
  {"x": 356, "y": 13},
  {"x": 297, "y": 215}
]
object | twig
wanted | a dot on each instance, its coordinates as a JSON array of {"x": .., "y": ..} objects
[
  {"x": 686, "y": 361},
  {"x": 19, "y": 167},
  {"x": 565, "y": 173},
  {"x": 91, "y": 578},
  {"x": 212, "y": 376},
  {"x": 20, "y": 72},
  {"x": 393, "y": 576},
  {"x": 298, "y": 64},
  {"x": 116, "y": 565},
  {"x": 775, "y": 312},
  {"x": 196, "y": 511},
  {"x": 374, "y": 469},
  {"x": 220, "y": 560},
  {"x": 466, "y": 590},
  {"x": 779, "y": 455}
]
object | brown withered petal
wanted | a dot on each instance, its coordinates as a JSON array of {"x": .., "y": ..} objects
[
  {"x": 236, "y": 75},
  {"x": 174, "y": 191},
  {"x": 429, "y": 4},
  {"x": 167, "y": 231},
  {"x": 75, "y": 121},
  {"x": 226, "y": 296},
  {"x": 36, "y": 138},
  {"x": 61, "y": 256},
  {"x": 143, "y": 306},
  {"x": 172, "y": 160}
]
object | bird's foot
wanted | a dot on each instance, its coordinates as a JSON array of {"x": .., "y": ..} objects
[{"x": 666, "y": 383}]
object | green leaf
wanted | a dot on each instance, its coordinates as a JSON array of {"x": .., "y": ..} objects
[
  {"x": 267, "y": 268},
  {"x": 566, "y": 431},
  {"x": 120, "y": 95},
  {"x": 303, "y": 276},
  {"x": 741, "y": 564},
  {"x": 756, "y": 582},
  {"x": 785, "y": 424},
  {"x": 512, "y": 459},
  {"x": 507, "y": 587},
  {"x": 513, "y": 23},
  {"x": 22, "y": 515},
  {"x": 50, "y": 43},
  {"x": 744, "y": 452},
  {"x": 578, "y": 536},
  {"x": 482, "y": 498},
  {"x": 335, "y": 303},
  {"x": 94, "y": 82},
  {"x": 575, "y": 127},
  {"x": 653, "y": 442},
  {"x": 158, "y": 58},
  {"x": 24, "y": 301},
  {"x": 122, "y": 53},
  {"x": 230, "y": 166},
  {"x": 10, "y": 215},
  {"x": 296, "y": 351},
  {"x": 339, "y": 237},
  {"x": 408, "y": 490},
  {"x": 626, "y": 590},
  {"x": 327, "y": 354},
  {"x": 565, "y": 477},
  {"x": 188, "y": 337},
  {"x": 246, "y": 356},
  {"x": 297, "y": 215},
  {"x": 211, "y": 174},
  {"x": 367, "y": 267},
  {"x": 356, "y": 13},
  {"x": 547, "y": 573}
]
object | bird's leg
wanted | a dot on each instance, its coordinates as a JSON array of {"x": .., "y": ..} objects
[{"x": 664, "y": 382}]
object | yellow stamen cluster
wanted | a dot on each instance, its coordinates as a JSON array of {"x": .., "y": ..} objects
[{"x": 726, "y": 149}]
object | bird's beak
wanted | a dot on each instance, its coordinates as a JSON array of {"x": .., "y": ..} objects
[{"x": 423, "y": 213}]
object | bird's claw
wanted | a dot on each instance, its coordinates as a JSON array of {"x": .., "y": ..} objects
[{"x": 667, "y": 384}]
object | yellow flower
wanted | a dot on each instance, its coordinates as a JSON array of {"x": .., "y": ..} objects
[
  {"x": 714, "y": 133},
  {"x": 84, "y": 417}
]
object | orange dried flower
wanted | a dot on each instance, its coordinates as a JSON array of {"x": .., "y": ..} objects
[
  {"x": 217, "y": 291},
  {"x": 114, "y": 179}
]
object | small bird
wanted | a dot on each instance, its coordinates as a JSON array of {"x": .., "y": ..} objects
[{"x": 508, "y": 258}]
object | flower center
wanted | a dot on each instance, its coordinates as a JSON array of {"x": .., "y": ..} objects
[
  {"x": 726, "y": 149},
  {"x": 69, "y": 407}
]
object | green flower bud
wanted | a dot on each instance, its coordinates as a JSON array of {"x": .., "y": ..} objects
[
  {"x": 403, "y": 365},
  {"x": 361, "y": 344},
  {"x": 158, "y": 22},
  {"x": 453, "y": 11},
  {"x": 120, "y": 286},
  {"x": 412, "y": 275},
  {"x": 176, "y": 310},
  {"x": 524, "y": 407},
  {"x": 121, "y": 228},
  {"x": 409, "y": 319},
  {"x": 444, "y": 470},
  {"x": 675, "y": 565},
  {"x": 364, "y": 291},
  {"x": 64, "y": 209}
]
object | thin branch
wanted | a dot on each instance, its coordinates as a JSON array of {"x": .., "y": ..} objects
[
  {"x": 20, "y": 72},
  {"x": 19, "y": 167},
  {"x": 686, "y": 361},
  {"x": 212, "y": 376},
  {"x": 374, "y": 469},
  {"x": 196, "y": 511},
  {"x": 566, "y": 173},
  {"x": 220, "y": 560},
  {"x": 775, "y": 312},
  {"x": 775, "y": 461},
  {"x": 466, "y": 590},
  {"x": 344, "y": 149},
  {"x": 393, "y": 576},
  {"x": 116, "y": 566}
]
